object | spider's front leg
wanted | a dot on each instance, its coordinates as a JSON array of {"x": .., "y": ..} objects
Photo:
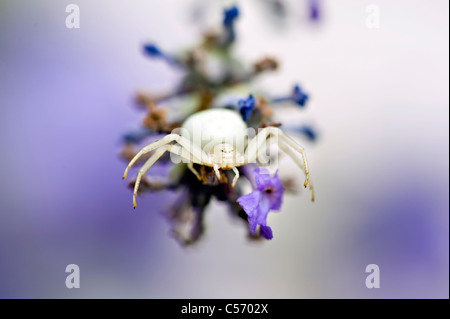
[
  {"x": 299, "y": 163},
  {"x": 176, "y": 149},
  {"x": 258, "y": 142},
  {"x": 197, "y": 153},
  {"x": 155, "y": 156},
  {"x": 186, "y": 149},
  {"x": 147, "y": 149}
]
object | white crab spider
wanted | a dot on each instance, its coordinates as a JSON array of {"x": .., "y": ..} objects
[{"x": 216, "y": 138}]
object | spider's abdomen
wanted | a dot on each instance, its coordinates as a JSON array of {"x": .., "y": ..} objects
[{"x": 216, "y": 126}]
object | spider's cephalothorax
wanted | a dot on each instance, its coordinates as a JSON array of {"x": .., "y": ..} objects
[{"x": 218, "y": 138}]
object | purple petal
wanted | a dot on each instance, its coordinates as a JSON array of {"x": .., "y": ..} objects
[
  {"x": 252, "y": 222},
  {"x": 262, "y": 178},
  {"x": 266, "y": 232},
  {"x": 263, "y": 210},
  {"x": 258, "y": 204},
  {"x": 276, "y": 195},
  {"x": 276, "y": 201},
  {"x": 250, "y": 202}
]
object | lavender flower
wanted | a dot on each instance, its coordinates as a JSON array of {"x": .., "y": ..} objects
[
  {"x": 308, "y": 131},
  {"x": 153, "y": 51},
  {"x": 314, "y": 10},
  {"x": 297, "y": 96},
  {"x": 230, "y": 15},
  {"x": 246, "y": 107},
  {"x": 280, "y": 12},
  {"x": 267, "y": 196}
]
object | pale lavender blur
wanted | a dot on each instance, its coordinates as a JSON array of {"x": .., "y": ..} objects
[{"x": 378, "y": 96}]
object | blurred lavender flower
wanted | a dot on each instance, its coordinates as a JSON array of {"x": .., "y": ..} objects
[
  {"x": 314, "y": 10},
  {"x": 308, "y": 132},
  {"x": 154, "y": 52},
  {"x": 246, "y": 106},
  {"x": 284, "y": 10},
  {"x": 267, "y": 196},
  {"x": 230, "y": 16},
  {"x": 297, "y": 96}
]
